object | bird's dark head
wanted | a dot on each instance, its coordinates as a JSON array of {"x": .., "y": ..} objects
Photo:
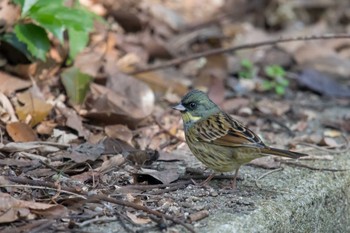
[{"x": 195, "y": 105}]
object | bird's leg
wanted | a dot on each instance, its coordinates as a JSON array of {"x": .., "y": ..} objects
[
  {"x": 205, "y": 182},
  {"x": 233, "y": 182}
]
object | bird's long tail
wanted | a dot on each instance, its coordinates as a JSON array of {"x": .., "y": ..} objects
[{"x": 283, "y": 153}]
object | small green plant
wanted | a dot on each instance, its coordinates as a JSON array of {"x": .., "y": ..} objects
[
  {"x": 38, "y": 17},
  {"x": 278, "y": 81},
  {"x": 248, "y": 70}
]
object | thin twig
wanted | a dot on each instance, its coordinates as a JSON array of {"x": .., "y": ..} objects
[
  {"x": 42, "y": 227},
  {"x": 155, "y": 186},
  {"x": 40, "y": 187},
  {"x": 97, "y": 219},
  {"x": 297, "y": 164},
  {"x": 212, "y": 52},
  {"x": 40, "y": 183},
  {"x": 266, "y": 174},
  {"x": 101, "y": 197},
  {"x": 53, "y": 168}
]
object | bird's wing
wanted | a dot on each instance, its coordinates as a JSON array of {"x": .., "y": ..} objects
[{"x": 221, "y": 129}]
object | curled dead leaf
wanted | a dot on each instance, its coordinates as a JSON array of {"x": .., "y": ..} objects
[
  {"x": 12, "y": 209},
  {"x": 32, "y": 109},
  {"x": 138, "y": 220},
  {"x": 133, "y": 103},
  {"x": 21, "y": 132}
]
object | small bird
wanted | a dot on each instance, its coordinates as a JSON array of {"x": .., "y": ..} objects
[{"x": 219, "y": 141}]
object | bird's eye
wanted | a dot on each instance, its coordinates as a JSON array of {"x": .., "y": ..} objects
[{"x": 193, "y": 105}]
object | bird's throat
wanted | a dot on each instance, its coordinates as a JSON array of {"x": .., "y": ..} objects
[{"x": 189, "y": 119}]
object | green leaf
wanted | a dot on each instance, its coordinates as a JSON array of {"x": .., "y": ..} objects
[
  {"x": 50, "y": 23},
  {"x": 76, "y": 84},
  {"x": 280, "y": 90},
  {"x": 275, "y": 71},
  {"x": 77, "y": 41},
  {"x": 40, "y": 4},
  {"x": 267, "y": 85},
  {"x": 27, "y": 5},
  {"x": 35, "y": 38},
  {"x": 246, "y": 63},
  {"x": 283, "y": 82},
  {"x": 12, "y": 39},
  {"x": 75, "y": 19}
]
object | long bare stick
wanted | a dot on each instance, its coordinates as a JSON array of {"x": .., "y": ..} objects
[{"x": 212, "y": 52}]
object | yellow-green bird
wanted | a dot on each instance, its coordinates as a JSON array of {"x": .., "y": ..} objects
[{"x": 219, "y": 141}]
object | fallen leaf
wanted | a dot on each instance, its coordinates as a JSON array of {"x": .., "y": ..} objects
[
  {"x": 113, "y": 162},
  {"x": 10, "y": 84},
  {"x": 115, "y": 146},
  {"x": 63, "y": 137},
  {"x": 76, "y": 84},
  {"x": 74, "y": 121},
  {"x": 235, "y": 104},
  {"x": 322, "y": 83},
  {"x": 12, "y": 209},
  {"x": 51, "y": 212},
  {"x": 46, "y": 127},
  {"x": 121, "y": 132},
  {"x": 134, "y": 103},
  {"x": 142, "y": 157},
  {"x": 138, "y": 220},
  {"x": 162, "y": 81},
  {"x": 154, "y": 176},
  {"x": 269, "y": 107},
  {"x": 42, "y": 147},
  {"x": 31, "y": 109},
  {"x": 21, "y": 132},
  {"x": 85, "y": 152},
  {"x": 7, "y": 113},
  {"x": 330, "y": 142}
]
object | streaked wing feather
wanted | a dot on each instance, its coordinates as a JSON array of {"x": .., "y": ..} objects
[{"x": 221, "y": 129}]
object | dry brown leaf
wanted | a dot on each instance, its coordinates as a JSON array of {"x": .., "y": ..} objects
[
  {"x": 142, "y": 157},
  {"x": 63, "y": 137},
  {"x": 235, "y": 104},
  {"x": 31, "y": 109},
  {"x": 269, "y": 107},
  {"x": 145, "y": 135},
  {"x": 21, "y": 132},
  {"x": 161, "y": 81},
  {"x": 330, "y": 142},
  {"x": 138, "y": 220},
  {"x": 10, "y": 84},
  {"x": 133, "y": 199},
  {"x": 7, "y": 113},
  {"x": 51, "y": 212},
  {"x": 133, "y": 102},
  {"x": 89, "y": 62},
  {"x": 46, "y": 127},
  {"x": 112, "y": 162},
  {"x": 165, "y": 177},
  {"x": 42, "y": 147},
  {"x": 74, "y": 121},
  {"x": 121, "y": 132},
  {"x": 12, "y": 209},
  {"x": 83, "y": 177},
  {"x": 85, "y": 152}
]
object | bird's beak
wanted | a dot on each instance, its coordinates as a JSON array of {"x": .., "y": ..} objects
[{"x": 180, "y": 108}]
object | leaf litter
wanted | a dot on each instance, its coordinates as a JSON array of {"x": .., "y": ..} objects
[{"x": 95, "y": 143}]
